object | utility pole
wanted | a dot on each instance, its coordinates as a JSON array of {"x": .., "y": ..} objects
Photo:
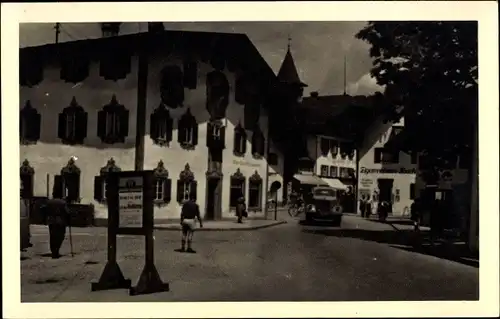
[
  {"x": 57, "y": 28},
  {"x": 345, "y": 75}
]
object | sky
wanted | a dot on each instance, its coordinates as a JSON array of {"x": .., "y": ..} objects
[{"x": 319, "y": 48}]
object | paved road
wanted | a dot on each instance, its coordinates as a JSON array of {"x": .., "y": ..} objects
[{"x": 289, "y": 262}]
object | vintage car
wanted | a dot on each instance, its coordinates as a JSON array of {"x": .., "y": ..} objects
[{"x": 322, "y": 205}]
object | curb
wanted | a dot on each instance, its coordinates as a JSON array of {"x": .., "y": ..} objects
[{"x": 178, "y": 228}]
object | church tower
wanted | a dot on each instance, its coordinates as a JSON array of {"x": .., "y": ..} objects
[{"x": 289, "y": 77}]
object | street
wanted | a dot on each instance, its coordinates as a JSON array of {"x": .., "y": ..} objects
[{"x": 288, "y": 262}]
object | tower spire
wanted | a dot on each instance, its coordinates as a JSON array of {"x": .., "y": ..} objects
[
  {"x": 289, "y": 41},
  {"x": 345, "y": 75}
]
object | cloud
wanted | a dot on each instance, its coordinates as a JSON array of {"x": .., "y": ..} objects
[{"x": 365, "y": 85}]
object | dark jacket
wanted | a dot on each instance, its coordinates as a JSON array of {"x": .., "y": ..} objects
[
  {"x": 241, "y": 208},
  {"x": 56, "y": 212},
  {"x": 190, "y": 210}
]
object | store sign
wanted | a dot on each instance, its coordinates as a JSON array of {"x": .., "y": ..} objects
[
  {"x": 245, "y": 163},
  {"x": 366, "y": 182},
  {"x": 402, "y": 170}
]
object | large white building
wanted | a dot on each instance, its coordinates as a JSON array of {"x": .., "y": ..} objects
[
  {"x": 192, "y": 106},
  {"x": 385, "y": 175}
]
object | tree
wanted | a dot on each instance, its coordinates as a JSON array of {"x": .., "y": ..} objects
[{"x": 429, "y": 70}]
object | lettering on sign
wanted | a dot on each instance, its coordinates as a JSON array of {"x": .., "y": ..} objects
[
  {"x": 244, "y": 163},
  {"x": 130, "y": 200},
  {"x": 402, "y": 170},
  {"x": 366, "y": 182}
]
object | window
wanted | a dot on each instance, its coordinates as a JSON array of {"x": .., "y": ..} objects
[
  {"x": 324, "y": 170},
  {"x": 190, "y": 74},
  {"x": 412, "y": 191},
  {"x": 397, "y": 195},
  {"x": 186, "y": 185},
  {"x": 217, "y": 95},
  {"x": 258, "y": 143},
  {"x": 255, "y": 191},
  {"x": 27, "y": 180},
  {"x": 384, "y": 156},
  {"x": 72, "y": 125},
  {"x": 29, "y": 124},
  {"x": 344, "y": 172},
  {"x": 100, "y": 184},
  {"x": 216, "y": 135},
  {"x": 237, "y": 188},
  {"x": 70, "y": 179},
  {"x": 112, "y": 122},
  {"x": 240, "y": 140},
  {"x": 333, "y": 171},
  {"x": 162, "y": 184},
  {"x": 188, "y": 131},
  {"x": 272, "y": 158},
  {"x": 329, "y": 145},
  {"x": 161, "y": 126}
]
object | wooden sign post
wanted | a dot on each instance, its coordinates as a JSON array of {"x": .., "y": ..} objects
[{"x": 130, "y": 212}]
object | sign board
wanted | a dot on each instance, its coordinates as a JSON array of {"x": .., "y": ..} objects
[
  {"x": 366, "y": 182},
  {"x": 130, "y": 201}
]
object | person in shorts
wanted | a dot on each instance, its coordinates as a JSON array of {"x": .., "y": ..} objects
[{"x": 189, "y": 213}]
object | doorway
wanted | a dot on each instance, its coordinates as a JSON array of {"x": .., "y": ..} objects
[
  {"x": 385, "y": 191},
  {"x": 213, "y": 199}
]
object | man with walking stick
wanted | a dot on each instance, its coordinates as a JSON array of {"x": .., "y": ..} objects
[{"x": 58, "y": 217}]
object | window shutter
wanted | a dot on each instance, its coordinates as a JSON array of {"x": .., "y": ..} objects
[
  {"x": 170, "y": 128},
  {"x": 261, "y": 145},
  {"x": 101, "y": 124},
  {"x": 153, "y": 126},
  {"x": 195, "y": 133},
  {"x": 35, "y": 130},
  {"x": 181, "y": 131},
  {"x": 81, "y": 126},
  {"x": 194, "y": 186},
  {"x": 167, "y": 190},
  {"x": 72, "y": 182},
  {"x": 243, "y": 140},
  {"x": 27, "y": 181},
  {"x": 223, "y": 137},
  {"x": 180, "y": 191},
  {"x": 57, "y": 191},
  {"x": 61, "y": 126},
  {"x": 324, "y": 145},
  {"x": 98, "y": 180},
  {"x": 124, "y": 117}
]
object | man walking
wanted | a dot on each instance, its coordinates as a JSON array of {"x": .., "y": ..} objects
[
  {"x": 57, "y": 216},
  {"x": 241, "y": 209},
  {"x": 189, "y": 213}
]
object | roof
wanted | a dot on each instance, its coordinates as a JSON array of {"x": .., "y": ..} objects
[
  {"x": 288, "y": 71},
  {"x": 237, "y": 49}
]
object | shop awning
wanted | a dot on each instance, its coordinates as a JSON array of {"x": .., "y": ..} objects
[
  {"x": 335, "y": 183},
  {"x": 310, "y": 180}
]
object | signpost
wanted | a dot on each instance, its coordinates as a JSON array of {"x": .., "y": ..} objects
[{"x": 130, "y": 212}]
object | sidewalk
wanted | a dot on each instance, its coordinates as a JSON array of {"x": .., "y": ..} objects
[{"x": 222, "y": 225}]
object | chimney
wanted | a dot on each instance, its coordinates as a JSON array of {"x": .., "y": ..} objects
[
  {"x": 156, "y": 27},
  {"x": 110, "y": 29},
  {"x": 314, "y": 94}
]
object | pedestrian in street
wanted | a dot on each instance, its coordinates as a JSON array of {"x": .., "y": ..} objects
[
  {"x": 415, "y": 211},
  {"x": 241, "y": 209},
  {"x": 189, "y": 213},
  {"x": 57, "y": 216},
  {"x": 362, "y": 206}
]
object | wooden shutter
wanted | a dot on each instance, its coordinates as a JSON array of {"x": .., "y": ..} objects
[
  {"x": 170, "y": 128},
  {"x": 81, "y": 126},
  {"x": 57, "y": 190},
  {"x": 181, "y": 131},
  {"x": 180, "y": 191},
  {"x": 72, "y": 182},
  {"x": 223, "y": 137},
  {"x": 101, "y": 124},
  {"x": 27, "y": 181},
  {"x": 194, "y": 193},
  {"x": 167, "y": 190},
  {"x": 195, "y": 133},
  {"x": 35, "y": 130},
  {"x": 98, "y": 181},
  {"x": 61, "y": 126},
  {"x": 261, "y": 145},
  {"x": 153, "y": 126},
  {"x": 124, "y": 117}
]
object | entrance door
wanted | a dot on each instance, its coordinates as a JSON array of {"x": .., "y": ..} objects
[
  {"x": 213, "y": 202},
  {"x": 385, "y": 191}
]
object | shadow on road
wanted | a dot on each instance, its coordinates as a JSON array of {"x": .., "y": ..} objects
[{"x": 407, "y": 240}]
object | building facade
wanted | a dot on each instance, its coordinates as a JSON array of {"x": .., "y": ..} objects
[
  {"x": 191, "y": 107},
  {"x": 385, "y": 175}
]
